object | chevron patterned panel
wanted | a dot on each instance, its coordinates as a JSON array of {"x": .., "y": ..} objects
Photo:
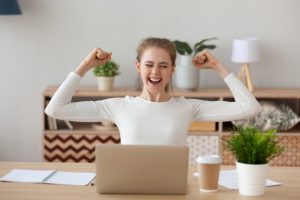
[
  {"x": 74, "y": 147},
  {"x": 290, "y": 157},
  {"x": 201, "y": 145}
]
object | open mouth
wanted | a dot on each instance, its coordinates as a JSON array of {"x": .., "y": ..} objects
[{"x": 154, "y": 80}]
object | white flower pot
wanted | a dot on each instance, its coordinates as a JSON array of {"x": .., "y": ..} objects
[
  {"x": 186, "y": 75},
  {"x": 105, "y": 83},
  {"x": 252, "y": 178}
]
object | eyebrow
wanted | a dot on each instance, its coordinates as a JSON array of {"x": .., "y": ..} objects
[{"x": 153, "y": 62}]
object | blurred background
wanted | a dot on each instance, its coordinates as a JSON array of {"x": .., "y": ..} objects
[{"x": 50, "y": 38}]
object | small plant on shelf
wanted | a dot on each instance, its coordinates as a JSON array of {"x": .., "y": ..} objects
[
  {"x": 105, "y": 74},
  {"x": 108, "y": 69}
]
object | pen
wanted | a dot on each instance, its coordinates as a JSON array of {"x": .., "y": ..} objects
[{"x": 93, "y": 182}]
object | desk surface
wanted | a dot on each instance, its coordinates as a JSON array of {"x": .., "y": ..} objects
[{"x": 289, "y": 176}]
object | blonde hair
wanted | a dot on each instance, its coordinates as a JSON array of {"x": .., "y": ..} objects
[{"x": 163, "y": 43}]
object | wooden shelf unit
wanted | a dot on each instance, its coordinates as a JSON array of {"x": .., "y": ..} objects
[{"x": 67, "y": 145}]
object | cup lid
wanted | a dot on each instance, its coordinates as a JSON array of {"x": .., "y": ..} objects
[{"x": 209, "y": 159}]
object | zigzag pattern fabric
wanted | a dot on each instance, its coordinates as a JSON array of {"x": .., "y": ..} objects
[
  {"x": 74, "y": 148},
  {"x": 81, "y": 148}
]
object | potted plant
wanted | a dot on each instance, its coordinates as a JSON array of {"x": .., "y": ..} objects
[
  {"x": 105, "y": 74},
  {"x": 183, "y": 48},
  {"x": 253, "y": 149},
  {"x": 187, "y": 76}
]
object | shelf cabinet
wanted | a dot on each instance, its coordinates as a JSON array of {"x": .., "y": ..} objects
[{"x": 62, "y": 144}]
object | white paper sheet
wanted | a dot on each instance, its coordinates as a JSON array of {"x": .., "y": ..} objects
[
  {"x": 27, "y": 176},
  {"x": 71, "y": 178},
  {"x": 228, "y": 179},
  {"x": 48, "y": 176}
]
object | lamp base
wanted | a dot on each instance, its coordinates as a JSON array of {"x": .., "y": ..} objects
[{"x": 245, "y": 76}]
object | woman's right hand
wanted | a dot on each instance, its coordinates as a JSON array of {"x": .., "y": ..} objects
[{"x": 96, "y": 57}]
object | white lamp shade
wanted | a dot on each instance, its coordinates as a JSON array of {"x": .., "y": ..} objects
[{"x": 245, "y": 50}]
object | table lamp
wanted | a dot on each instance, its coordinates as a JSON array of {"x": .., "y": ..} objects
[{"x": 245, "y": 51}]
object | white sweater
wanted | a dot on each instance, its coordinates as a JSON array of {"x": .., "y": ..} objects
[{"x": 144, "y": 122}]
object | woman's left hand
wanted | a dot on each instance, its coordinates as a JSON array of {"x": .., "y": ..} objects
[{"x": 205, "y": 60}]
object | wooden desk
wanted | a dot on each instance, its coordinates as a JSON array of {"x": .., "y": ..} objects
[{"x": 289, "y": 176}]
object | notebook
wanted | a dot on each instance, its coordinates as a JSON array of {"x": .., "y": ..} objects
[
  {"x": 48, "y": 176},
  {"x": 141, "y": 169}
]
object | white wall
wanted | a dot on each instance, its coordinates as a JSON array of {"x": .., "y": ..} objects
[{"x": 41, "y": 46}]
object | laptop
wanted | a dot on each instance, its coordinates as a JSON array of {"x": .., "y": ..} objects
[{"x": 141, "y": 169}]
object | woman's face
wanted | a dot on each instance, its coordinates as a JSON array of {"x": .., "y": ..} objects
[{"x": 155, "y": 68}]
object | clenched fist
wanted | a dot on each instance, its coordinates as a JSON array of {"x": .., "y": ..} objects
[
  {"x": 96, "y": 57},
  {"x": 205, "y": 60}
]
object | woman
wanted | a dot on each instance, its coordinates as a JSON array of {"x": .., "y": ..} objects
[{"x": 153, "y": 117}]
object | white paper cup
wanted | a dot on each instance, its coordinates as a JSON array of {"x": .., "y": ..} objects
[{"x": 208, "y": 168}]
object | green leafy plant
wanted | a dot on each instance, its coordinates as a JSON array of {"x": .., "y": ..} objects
[
  {"x": 183, "y": 48},
  {"x": 252, "y": 146},
  {"x": 108, "y": 69}
]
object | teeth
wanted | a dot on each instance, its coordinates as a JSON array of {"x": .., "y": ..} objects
[{"x": 154, "y": 79}]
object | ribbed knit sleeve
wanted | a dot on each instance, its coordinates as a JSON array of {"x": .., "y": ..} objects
[
  {"x": 61, "y": 107},
  {"x": 244, "y": 106}
]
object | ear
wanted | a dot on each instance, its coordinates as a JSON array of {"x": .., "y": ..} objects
[
  {"x": 137, "y": 65},
  {"x": 173, "y": 68}
]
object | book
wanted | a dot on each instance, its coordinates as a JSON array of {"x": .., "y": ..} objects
[
  {"x": 50, "y": 123},
  {"x": 202, "y": 126},
  {"x": 48, "y": 176},
  {"x": 54, "y": 123},
  {"x": 69, "y": 125},
  {"x": 50, "y": 120}
]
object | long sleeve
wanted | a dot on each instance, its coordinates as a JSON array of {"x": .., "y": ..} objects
[
  {"x": 244, "y": 106},
  {"x": 61, "y": 107}
]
